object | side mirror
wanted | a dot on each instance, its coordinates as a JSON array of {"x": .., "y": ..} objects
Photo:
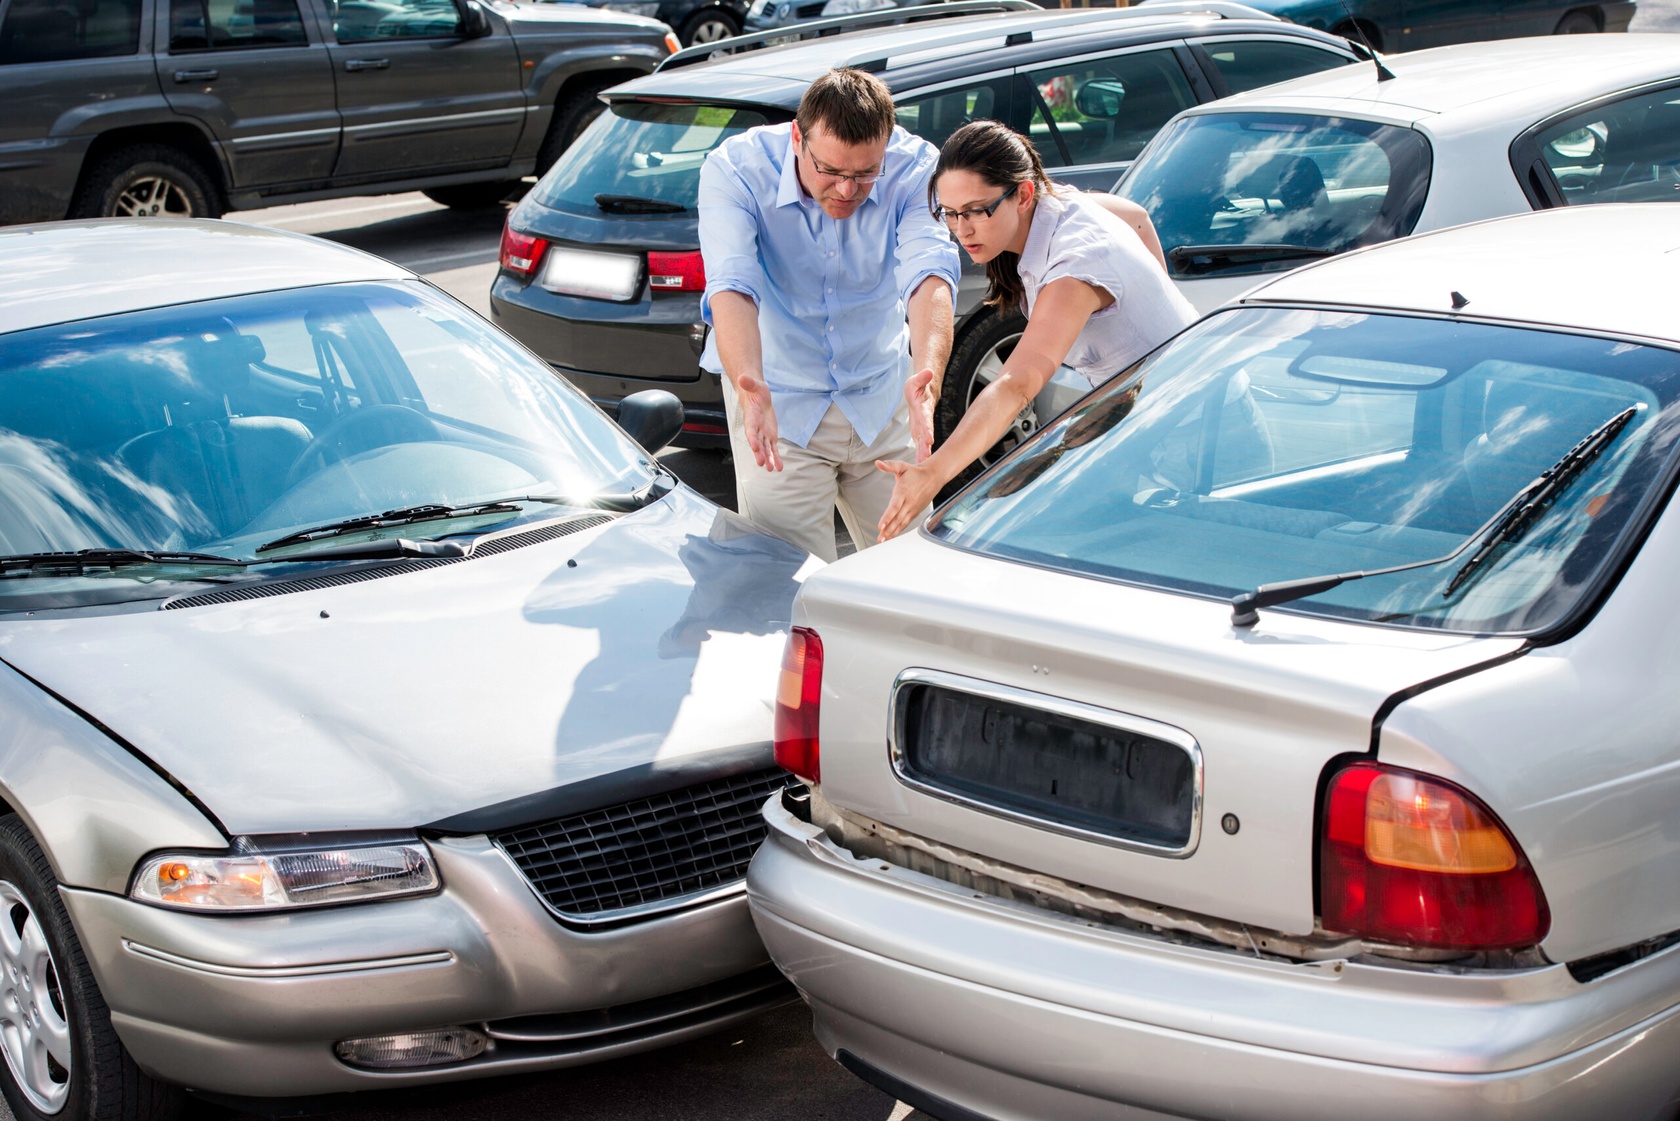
[
  {"x": 474, "y": 23},
  {"x": 1099, "y": 98},
  {"x": 652, "y": 418}
]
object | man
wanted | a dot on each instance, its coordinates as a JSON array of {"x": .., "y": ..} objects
[{"x": 819, "y": 245}]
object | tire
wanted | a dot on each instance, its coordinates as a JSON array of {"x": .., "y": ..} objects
[
  {"x": 975, "y": 361},
  {"x": 1351, "y": 31},
  {"x": 708, "y": 26},
  {"x": 572, "y": 114},
  {"x": 147, "y": 181},
  {"x": 472, "y": 196},
  {"x": 64, "y": 1016},
  {"x": 1577, "y": 23}
]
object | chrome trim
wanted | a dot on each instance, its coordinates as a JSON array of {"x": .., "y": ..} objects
[
  {"x": 1076, "y": 710},
  {"x": 280, "y": 972},
  {"x": 276, "y": 137},
  {"x": 426, "y": 122},
  {"x": 641, "y": 911}
]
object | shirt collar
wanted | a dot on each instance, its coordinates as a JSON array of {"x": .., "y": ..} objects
[{"x": 1035, "y": 254}]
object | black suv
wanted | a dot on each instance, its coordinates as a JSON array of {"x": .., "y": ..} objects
[
  {"x": 193, "y": 107},
  {"x": 600, "y": 267}
]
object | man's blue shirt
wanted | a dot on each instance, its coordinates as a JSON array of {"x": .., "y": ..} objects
[{"x": 831, "y": 293}]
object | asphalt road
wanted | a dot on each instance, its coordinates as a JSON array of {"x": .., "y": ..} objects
[{"x": 772, "y": 1068}]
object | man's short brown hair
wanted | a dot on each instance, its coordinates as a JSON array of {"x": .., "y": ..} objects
[{"x": 852, "y": 106}]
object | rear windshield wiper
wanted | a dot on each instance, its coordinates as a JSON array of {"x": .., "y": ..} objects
[
  {"x": 1193, "y": 259},
  {"x": 1510, "y": 522},
  {"x": 635, "y": 204},
  {"x": 407, "y": 515}
]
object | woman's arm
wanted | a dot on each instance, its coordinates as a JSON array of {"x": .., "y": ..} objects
[
  {"x": 1059, "y": 314},
  {"x": 1134, "y": 216}
]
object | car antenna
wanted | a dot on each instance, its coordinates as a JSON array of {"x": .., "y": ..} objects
[{"x": 1383, "y": 72}]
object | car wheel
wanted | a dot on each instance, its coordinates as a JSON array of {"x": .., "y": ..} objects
[
  {"x": 1576, "y": 23},
  {"x": 709, "y": 26},
  {"x": 472, "y": 196},
  {"x": 1351, "y": 31},
  {"x": 63, "y": 1060},
  {"x": 975, "y": 363},
  {"x": 147, "y": 181},
  {"x": 572, "y": 114}
]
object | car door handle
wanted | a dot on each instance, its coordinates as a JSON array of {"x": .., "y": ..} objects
[
  {"x": 353, "y": 64},
  {"x": 197, "y": 75}
]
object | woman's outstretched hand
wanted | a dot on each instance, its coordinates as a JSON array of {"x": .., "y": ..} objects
[{"x": 913, "y": 492}]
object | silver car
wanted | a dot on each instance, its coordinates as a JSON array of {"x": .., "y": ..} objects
[
  {"x": 372, "y": 710},
  {"x": 1289, "y": 731}
]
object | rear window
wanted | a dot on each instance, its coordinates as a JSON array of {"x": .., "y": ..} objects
[
  {"x": 638, "y": 151},
  {"x": 1267, "y": 445},
  {"x": 1234, "y": 193}
]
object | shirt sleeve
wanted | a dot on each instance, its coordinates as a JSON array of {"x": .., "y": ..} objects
[
  {"x": 728, "y": 233},
  {"x": 924, "y": 244}
]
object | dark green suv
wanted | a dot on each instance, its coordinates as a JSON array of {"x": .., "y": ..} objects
[{"x": 190, "y": 108}]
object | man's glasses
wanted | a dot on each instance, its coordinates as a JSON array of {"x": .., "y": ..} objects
[
  {"x": 865, "y": 179},
  {"x": 974, "y": 213}
]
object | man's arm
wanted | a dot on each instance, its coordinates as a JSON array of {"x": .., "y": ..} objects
[
  {"x": 930, "y": 349},
  {"x": 1134, "y": 216},
  {"x": 741, "y": 349}
]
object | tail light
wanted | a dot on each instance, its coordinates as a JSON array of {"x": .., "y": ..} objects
[
  {"x": 521, "y": 252},
  {"x": 676, "y": 272},
  {"x": 798, "y": 699},
  {"x": 1418, "y": 862}
]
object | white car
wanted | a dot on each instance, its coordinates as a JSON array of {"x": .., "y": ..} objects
[
  {"x": 1287, "y": 732},
  {"x": 1262, "y": 181}
]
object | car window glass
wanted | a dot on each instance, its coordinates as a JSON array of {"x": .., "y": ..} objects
[
  {"x": 935, "y": 116},
  {"x": 638, "y": 150},
  {"x": 230, "y": 24},
  {"x": 1274, "y": 444},
  {"x": 357, "y": 21},
  {"x": 1248, "y": 64},
  {"x": 1105, "y": 111},
  {"x": 1256, "y": 179},
  {"x": 1627, "y": 151},
  {"x": 58, "y": 30}
]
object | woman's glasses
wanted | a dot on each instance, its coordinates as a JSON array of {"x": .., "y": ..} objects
[{"x": 974, "y": 213}]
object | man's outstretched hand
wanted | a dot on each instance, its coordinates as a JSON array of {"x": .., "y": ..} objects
[
  {"x": 923, "y": 399},
  {"x": 758, "y": 420}
]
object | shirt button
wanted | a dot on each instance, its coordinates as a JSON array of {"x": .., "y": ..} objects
[
  {"x": 831, "y": 326},
  {"x": 831, "y": 252}
]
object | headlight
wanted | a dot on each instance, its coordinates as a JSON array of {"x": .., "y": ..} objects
[
  {"x": 248, "y": 879},
  {"x": 633, "y": 7},
  {"x": 852, "y": 7}
]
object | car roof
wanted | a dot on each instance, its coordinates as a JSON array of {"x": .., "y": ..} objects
[
  {"x": 1465, "y": 84},
  {"x": 904, "y": 54},
  {"x": 57, "y": 272},
  {"x": 1607, "y": 269}
]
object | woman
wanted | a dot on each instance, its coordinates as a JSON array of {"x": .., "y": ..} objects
[{"x": 1087, "y": 269}]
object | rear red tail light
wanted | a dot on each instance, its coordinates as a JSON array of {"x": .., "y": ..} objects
[
  {"x": 798, "y": 698},
  {"x": 1415, "y": 861},
  {"x": 522, "y": 253},
  {"x": 676, "y": 272}
]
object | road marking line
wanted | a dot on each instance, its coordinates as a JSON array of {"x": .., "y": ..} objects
[
  {"x": 351, "y": 210},
  {"x": 427, "y": 262}
]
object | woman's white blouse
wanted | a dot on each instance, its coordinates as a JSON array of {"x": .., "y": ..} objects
[{"x": 1072, "y": 236}]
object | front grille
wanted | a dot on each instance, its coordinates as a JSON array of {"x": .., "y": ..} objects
[{"x": 647, "y": 855}]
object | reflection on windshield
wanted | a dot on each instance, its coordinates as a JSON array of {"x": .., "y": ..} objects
[
  {"x": 1272, "y": 445},
  {"x": 219, "y": 426}
]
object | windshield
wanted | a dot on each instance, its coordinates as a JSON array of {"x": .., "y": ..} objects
[
  {"x": 216, "y": 427},
  {"x": 1266, "y": 445},
  {"x": 639, "y": 150},
  {"x": 1275, "y": 179}
]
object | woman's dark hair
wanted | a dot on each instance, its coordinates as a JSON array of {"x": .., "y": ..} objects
[{"x": 1004, "y": 158}]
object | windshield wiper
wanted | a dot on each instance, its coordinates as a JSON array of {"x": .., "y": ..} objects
[
  {"x": 406, "y": 515},
  {"x": 1193, "y": 259},
  {"x": 80, "y": 561},
  {"x": 1510, "y": 522},
  {"x": 635, "y": 204}
]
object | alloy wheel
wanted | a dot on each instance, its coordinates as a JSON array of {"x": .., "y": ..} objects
[
  {"x": 151, "y": 197},
  {"x": 34, "y": 1018},
  {"x": 1025, "y": 422},
  {"x": 710, "y": 31}
]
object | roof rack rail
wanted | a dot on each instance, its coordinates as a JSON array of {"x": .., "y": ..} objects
[
  {"x": 1224, "y": 8},
  {"x": 840, "y": 24}
]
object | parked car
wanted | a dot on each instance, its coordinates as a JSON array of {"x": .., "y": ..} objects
[
  {"x": 1403, "y": 25},
  {"x": 372, "y": 710},
  {"x": 1284, "y": 732},
  {"x": 1327, "y": 163},
  {"x": 600, "y": 266},
  {"x": 140, "y": 108},
  {"x": 698, "y": 22}
]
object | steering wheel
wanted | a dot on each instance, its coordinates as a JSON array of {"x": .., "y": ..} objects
[{"x": 359, "y": 430}]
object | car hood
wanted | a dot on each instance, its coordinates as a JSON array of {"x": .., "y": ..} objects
[
  {"x": 550, "y": 17},
  {"x": 650, "y": 642}
]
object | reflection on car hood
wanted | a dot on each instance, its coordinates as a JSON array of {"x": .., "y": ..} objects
[{"x": 396, "y": 702}]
